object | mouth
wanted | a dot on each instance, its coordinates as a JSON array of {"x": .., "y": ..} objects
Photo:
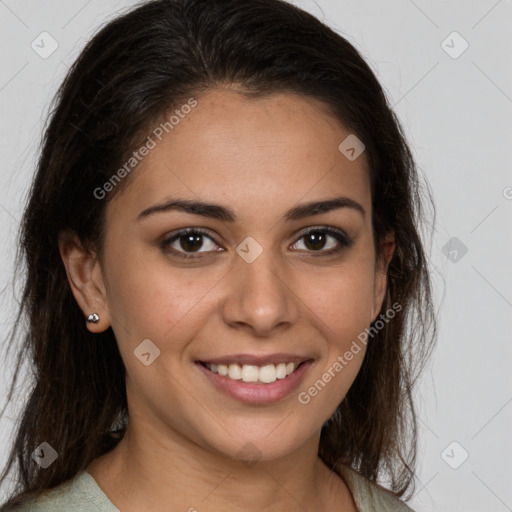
[
  {"x": 266, "y": 374},
  {"x": 253, "y": 383}
]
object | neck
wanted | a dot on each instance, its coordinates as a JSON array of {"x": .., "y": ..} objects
[{"x": 151, "y": 471}]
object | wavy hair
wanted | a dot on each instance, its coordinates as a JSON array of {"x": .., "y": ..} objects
[{"x": 131, "y": 74}]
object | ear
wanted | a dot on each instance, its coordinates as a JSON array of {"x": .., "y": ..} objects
[
  {"x": 380, "y": 280},
  {"x": 85, "y": 279}
]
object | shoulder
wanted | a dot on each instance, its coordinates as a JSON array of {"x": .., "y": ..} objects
[
  {"x": 80, "y": 493},
  {"x": 370, "y": 497}
]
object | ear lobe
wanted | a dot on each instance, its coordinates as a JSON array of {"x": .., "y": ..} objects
[
  {"x": 85, "y": 279},
  {"x": 380, "y": 281}
]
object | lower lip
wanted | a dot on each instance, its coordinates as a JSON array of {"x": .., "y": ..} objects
[{"x": 254, "y": 393}]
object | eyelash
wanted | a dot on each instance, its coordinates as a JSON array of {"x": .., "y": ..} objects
[{"x": 344, "y": 241}]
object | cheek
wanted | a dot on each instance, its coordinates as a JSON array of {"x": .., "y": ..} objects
[
  {"x": 341, "y": 302},
  {"x": 152, "y": 299},
  {"x": 340, "y": 307}
]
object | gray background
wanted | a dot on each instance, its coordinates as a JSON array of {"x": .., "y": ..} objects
[{"x": 456, "y": 113}]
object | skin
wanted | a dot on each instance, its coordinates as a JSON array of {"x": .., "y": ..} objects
[{"x": 260, "y": 158}]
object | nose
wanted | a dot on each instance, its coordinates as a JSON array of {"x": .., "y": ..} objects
[{"x": 261, "y": 297}]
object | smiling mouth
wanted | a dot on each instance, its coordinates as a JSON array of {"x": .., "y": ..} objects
[{"x": 266, "y": 374}]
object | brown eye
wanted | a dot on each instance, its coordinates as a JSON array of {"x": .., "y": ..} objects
[
  {"x": 315, "y": 240},
  {"x": 191, "y": 242},
  {"x": 187, "y": 242}
]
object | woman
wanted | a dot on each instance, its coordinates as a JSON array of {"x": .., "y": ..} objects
[{"x": 223, "y": 254}]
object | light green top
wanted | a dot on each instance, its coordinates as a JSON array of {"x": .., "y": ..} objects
[
  {"x": 78, "y": 494},
  {"x": 82, "y": 494}
]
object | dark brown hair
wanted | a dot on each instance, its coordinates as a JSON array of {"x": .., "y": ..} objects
[{"x": 134, "y": 71}]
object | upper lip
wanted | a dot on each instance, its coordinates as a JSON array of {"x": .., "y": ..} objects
[{"x": 255, "y": 360}]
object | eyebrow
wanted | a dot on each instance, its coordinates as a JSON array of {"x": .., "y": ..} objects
[{"x": 219, "y": 212}]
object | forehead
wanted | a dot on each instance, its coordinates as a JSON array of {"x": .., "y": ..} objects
[{"x": 248, "y": 151}]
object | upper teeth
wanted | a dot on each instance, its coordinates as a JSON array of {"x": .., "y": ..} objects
[{"x": 251, "y": 373}]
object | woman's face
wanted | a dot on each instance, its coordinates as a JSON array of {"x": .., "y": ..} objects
[{"x": 253, "y": 283}]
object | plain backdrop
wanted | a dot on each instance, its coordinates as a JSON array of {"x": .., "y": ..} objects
[{"x": 446, "y": 68}]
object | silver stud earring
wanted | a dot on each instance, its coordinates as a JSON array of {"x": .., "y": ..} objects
[{"x": 93, "y": 319}]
